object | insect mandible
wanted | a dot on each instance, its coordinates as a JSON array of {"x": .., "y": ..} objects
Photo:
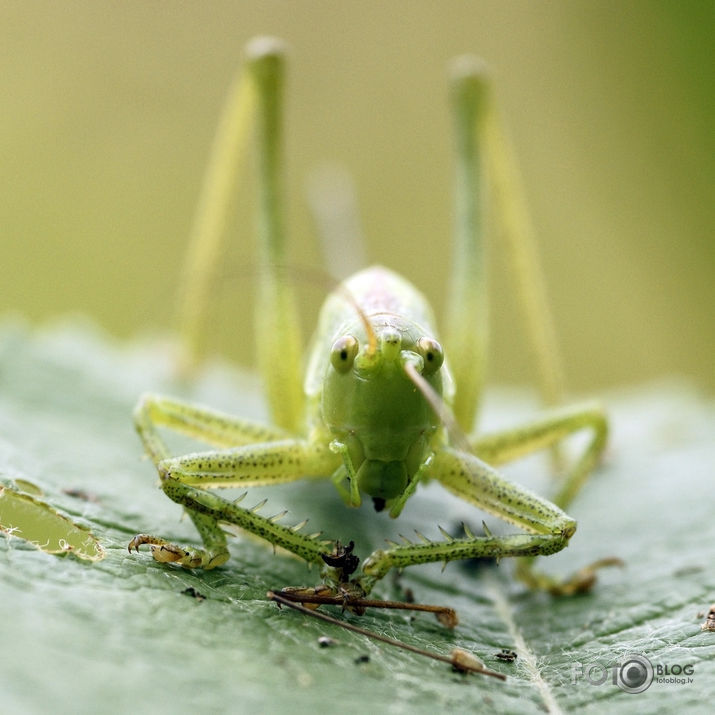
[{"x": 382, "y": 407}]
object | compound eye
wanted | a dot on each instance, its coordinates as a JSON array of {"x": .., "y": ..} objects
[
  {"x": 343, "y": 353},
  {"x": 432, "y": 355}
]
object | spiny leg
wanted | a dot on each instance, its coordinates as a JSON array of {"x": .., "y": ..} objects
[
  {"x": 185, "y": 479},
  {"x": 542, "y": 433},
  {"x": 476, "y": 482}
]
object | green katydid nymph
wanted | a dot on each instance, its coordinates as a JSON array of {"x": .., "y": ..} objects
[{"x": 385, "y": 402}]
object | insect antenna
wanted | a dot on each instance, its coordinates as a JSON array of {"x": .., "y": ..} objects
[
  {"x": 238, "y": 273},
  {"x": 440, "y": 407},
  {"x": 369, "y": 330},
  {"x": 333, "y": 203},
  {"x": 314, "y": 274},
  {"x": 332, "y": 198}
]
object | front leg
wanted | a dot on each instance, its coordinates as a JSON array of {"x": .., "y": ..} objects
[
  {"x": 186, "y": 480},
  {"x": 471, "y": 479}
]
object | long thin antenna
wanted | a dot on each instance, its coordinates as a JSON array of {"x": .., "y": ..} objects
[
  {"x": 371, "y": 337},
  {"x": 440, "y": 407},
  {"x": 332, "y": 198}
]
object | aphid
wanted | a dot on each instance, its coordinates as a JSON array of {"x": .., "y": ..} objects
[
  {"x": 507, "y": 655},
  {"x": 383, "y": 406}
]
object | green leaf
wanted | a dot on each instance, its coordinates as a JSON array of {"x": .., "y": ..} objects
[{"x": 127, "y": 634}]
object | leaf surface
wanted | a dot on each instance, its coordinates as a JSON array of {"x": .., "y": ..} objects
[{"x": 125, "y": 633}]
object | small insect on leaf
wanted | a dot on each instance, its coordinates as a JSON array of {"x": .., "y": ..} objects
[
  {"x": 507, "y": 655},
  {"x": 709, "y": 624}
]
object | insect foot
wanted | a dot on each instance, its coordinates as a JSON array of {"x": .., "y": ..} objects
[
  {"x": 165, "y": 552},
  {"x": 580, "y": 582}
]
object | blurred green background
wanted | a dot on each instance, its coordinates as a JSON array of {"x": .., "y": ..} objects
[{"x": 108, "y": 112}]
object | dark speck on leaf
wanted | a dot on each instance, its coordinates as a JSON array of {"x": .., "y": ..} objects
[
  {"x": 191, "y": 591},
  {"x": 507, "y": 655}
]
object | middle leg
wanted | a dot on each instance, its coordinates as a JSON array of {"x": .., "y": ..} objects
[{"x": 547, "y": 431}]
